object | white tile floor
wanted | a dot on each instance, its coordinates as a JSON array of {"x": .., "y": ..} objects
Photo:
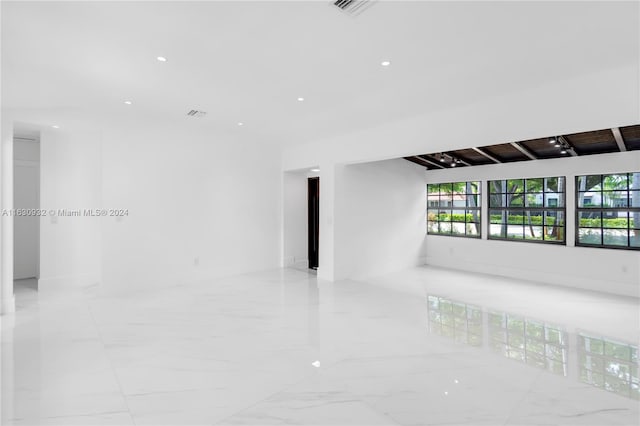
[{"x": 240, "y": 351}]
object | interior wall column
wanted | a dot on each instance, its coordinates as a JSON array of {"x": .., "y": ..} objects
[
  {"x": 7, "y": 299},
  {"x": 326, "y": 252}
]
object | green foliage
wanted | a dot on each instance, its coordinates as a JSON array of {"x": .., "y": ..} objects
[
  {"x": 471, "y": 187},
  {"x": 606, "y": 223},
  {"x": 445, "y": 217},
  {"x": 535, "y": 220},
  {"x": 519, "y": 220}
]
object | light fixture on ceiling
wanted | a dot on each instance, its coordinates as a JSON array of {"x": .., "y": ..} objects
[
  {"x": 161, "y": 59},
  {"x": 444, "y": 158},
  {"x": 301, "y": 99},
  {"x": 128, "y": 102},
  {"x": 552, "y": 140},
  {"x": 240, "y": 123},
  {"x": 315, "y": 170},
  {"x": 55, "y": 126},
  {"x": 385, "y": 63},
  {"x": 563, "y": 145}
]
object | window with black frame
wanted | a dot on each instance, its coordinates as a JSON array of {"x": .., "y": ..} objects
[
  {"x": 608, "y": 210},
  {"x": 527, "y": 209},
  {"x": 454, "y": 209}
]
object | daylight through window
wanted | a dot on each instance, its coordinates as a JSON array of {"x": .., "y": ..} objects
[
  {"x": 454, "y": 209},
  {"x": 608, "y": 210},
  {"x": 527, "y": 209}
]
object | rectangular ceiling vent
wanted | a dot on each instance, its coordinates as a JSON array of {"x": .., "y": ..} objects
[
  {"x": 353, "y": 7},
  {"x": 196, "y": 114}
]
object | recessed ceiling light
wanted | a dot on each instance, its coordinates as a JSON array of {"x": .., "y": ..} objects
[
  {"x": 552, "y": 140},
  {"x": 315, "y": 170},
  {"x": 385, "y": 63},
  {"x": 300, "y": 99},
  {"x": 564, "y": 151},
  {"x": 55, "y": 126},
  {"x": 240, "y": 123},
  {"x": 128, "y": 102},
  {"x": 161, "y": 59}
]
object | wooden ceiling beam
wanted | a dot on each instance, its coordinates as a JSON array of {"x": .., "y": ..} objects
[
  {"x": 419, "y": 161},
  {"x": 524, "y": 150},
  {"x": 433, "y": 163},
  {"x": 571, "y": 150},
  {"x": 619, "y": 139},
  {"x": 487, "y": 155}
]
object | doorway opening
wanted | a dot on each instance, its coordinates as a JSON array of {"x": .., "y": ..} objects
[
  {"x": 26, "y": 202},
  {"x": 313, "y": 209}
]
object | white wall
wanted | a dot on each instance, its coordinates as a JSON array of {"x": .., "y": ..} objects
[
  {"x": 295, "y": 219},
  {"x": 199, "y": 207},
  {"x": 70, "y": 247},
  {"x": 26, "y": 238},
  {"x": 608, "y": 270},
  {"x": 380, "y": 218}
]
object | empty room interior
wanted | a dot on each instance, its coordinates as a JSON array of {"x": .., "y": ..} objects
[{"x": 320, "y": 212}]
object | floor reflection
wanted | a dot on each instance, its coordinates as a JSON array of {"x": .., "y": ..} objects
[
  {"x": 456, "y": 320},
  {"x": 609, "y": 365},
  {"x": 529, "y": 341},
  {"x": 601, "y": 362}
]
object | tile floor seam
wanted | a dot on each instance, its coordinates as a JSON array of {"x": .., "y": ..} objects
[
  {"x": 113, "y": 370},
  {"x": 289, "y": 386}
]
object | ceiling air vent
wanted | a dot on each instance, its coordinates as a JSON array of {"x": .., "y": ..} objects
[
  {"x": 196, "y": 114},
  {"x": 354, "y": 7}
]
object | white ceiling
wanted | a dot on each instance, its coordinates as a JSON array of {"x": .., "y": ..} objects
[{"x": 249, "y": 61}]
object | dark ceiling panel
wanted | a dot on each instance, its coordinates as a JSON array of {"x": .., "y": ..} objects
[
  {"x": 595, "y": 142},
  {"x": 631, "y": 136},
  {"x": 505, "y": 152},
  {"x": 542, "y": 148},
  {"x": 418, "y": 161},
  {"x": 471, "y": 157},
  {"x": 433, "y": 159},
  {"x": 585, "y": 143}
]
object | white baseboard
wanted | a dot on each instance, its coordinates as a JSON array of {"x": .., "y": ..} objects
[
  {"x": 296, "y": 263},
  {"x": 8, "y": 305},
  {"x": 564, "y": 280},
  {"x": 301, "y": 264},
  {"x": 78, "y": 282}
]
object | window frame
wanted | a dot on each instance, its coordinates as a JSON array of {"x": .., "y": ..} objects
[
  {"x": 452, "y": 208},
  {"x": 523, "y": 208},
  {"x": 629, "y": 210}
]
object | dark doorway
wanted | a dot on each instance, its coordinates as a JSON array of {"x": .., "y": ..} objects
[{"x": 313, "y": 201}]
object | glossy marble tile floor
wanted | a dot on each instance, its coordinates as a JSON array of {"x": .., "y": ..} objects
[{"x": 425, "y": 346}]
